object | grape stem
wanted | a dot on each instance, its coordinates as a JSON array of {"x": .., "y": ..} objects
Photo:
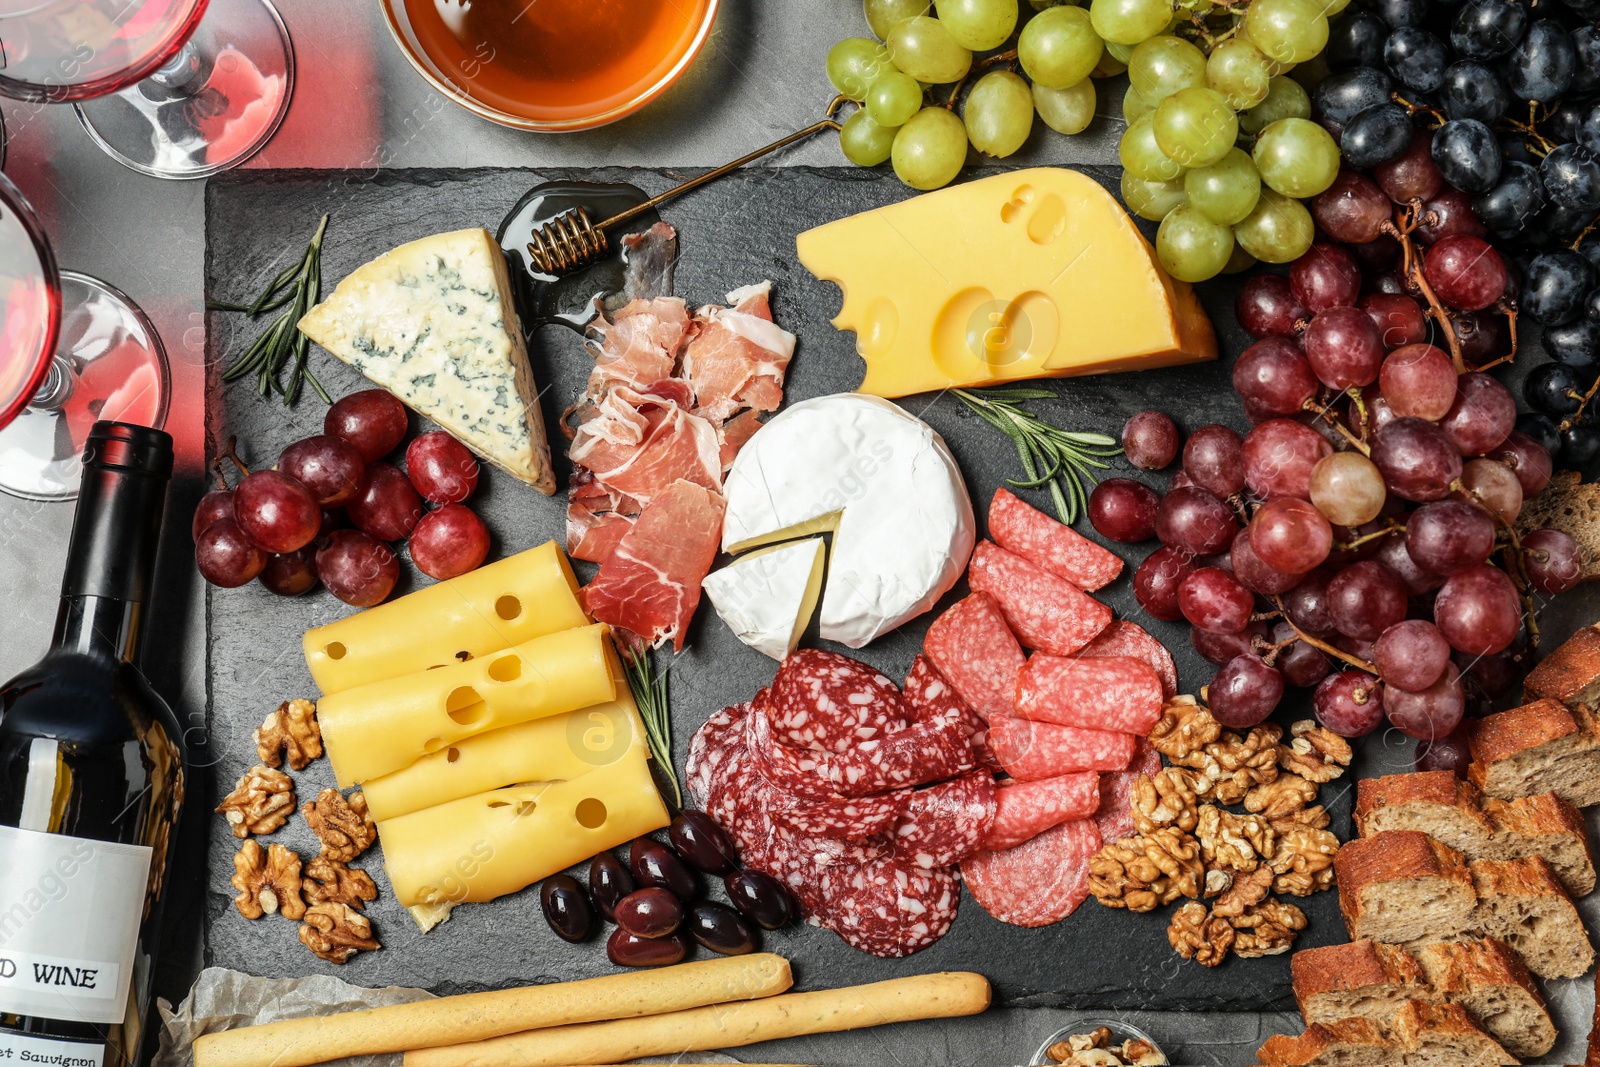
[
  {"x": 1357, "y": 542},
  {"x": 1323, "y": 646},
  {"x": 221, "y": 472},
  {"x": 231, "y": 452},
  {"x": 1333, "y": 420},
  {"x": 1008, "y": 57},
  {"x": 1269, "y": 653},
  {"x": 1583, "y": 402},
  {"x": 1510, "y": 312},
  {"x": 1408, "y": 217},
  {"x": 1412, "y": 109}
]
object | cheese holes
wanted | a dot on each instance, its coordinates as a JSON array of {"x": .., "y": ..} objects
[
  {"x": 1019, "y": 200},
  {"x": 506, "y": 669},
  {"x": 432, "y": 745},
  {"x": 335, "y": 650},
  {"x": 591, "y": 813},
  {"x": 453, "y": 755},
  {"x": 508, "y": 607},
  {"x": 524, "y": 807},
  {"x": 465, "y": 706},
  {"x": 1048, "y": 221}
]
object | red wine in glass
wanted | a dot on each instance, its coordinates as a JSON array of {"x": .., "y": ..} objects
[
  {"x": 171, "y": 88},
  {"x": 73, "y": 350}
]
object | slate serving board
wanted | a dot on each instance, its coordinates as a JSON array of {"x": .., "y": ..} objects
[{"x": 736, "y": 231}]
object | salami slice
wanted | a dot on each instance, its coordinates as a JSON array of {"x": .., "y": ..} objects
[
  {"x": 1032, "y": 750},
  {"x": 1091, "y": 692},
  {"x": 1039, "y": 882},
  {"x": 889, "y": 908},
  {"x": 829, "y": 702},
  {"x": 978, "y": 654},
  {"x": 1046, "y": 613},
  {"x": 1059, "y": 549},
  {"x": 945, "y": 823},
  {"x": 845, "y": 818},
  {"x": 1024, "y": 810},
  {"x": 825, "y": 852},
  {"x": 930, "y": 698},
  {"x": 1124, "y": 638},
  {"x": 708, "y": 748},
  {"x": 923, "y": 752},
  {"x": 1115, "y": 817}
]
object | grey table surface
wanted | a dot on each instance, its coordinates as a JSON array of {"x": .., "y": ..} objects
[{"x": 359, "y": 106}]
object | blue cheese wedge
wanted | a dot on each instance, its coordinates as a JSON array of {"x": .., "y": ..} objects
[{"x": 433, "y": 322}]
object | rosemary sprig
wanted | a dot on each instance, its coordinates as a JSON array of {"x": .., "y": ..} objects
[
  {"x": 656, "y": 711},
  {"x": 1062, "y": 460},
  {"x": 295, "y": 290}
]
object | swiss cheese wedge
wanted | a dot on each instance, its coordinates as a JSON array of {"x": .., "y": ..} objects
[{"x": 1034, "y": 273}]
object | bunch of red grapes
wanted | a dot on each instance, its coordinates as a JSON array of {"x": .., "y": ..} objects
[
  {"x": 330, "y": 510},
  {"x": 1348, "y": 542}
]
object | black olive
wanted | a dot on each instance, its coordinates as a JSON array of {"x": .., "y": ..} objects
[
  {"x": 703, "y": 843},
  {"x": 566, "y": 908},
  {"x": 720, "y": 929},
  {"x": 609, "y": 882},
  {"x": 760, "y": 898},
  {"x": 625, "y": 950},
  {"x": 655, "y": 864},
  {"x": 650, "y": 912}
]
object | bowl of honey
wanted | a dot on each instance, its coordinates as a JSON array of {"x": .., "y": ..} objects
[{"x": 551, "y": 65}]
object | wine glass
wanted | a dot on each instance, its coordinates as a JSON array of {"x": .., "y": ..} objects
[
  {"x": 73, "y": 350},
  {"x": 171, "y": 88}
]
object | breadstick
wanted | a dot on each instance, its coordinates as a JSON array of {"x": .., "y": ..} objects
[
  {"x": 476, "y": 1016},
  {"x": 928, "y": 996}
]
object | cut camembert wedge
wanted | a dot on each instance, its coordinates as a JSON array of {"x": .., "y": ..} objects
[{"x": 434, "y": 323}]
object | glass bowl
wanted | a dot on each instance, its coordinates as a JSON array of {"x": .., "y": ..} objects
[
  {"x": 1120, "y": 1032},
  {"x": 446, "y": 54}
]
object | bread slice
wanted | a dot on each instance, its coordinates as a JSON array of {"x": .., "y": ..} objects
[
  {"x": 1402, "y": 885},
  {"x": 1521, "y": 903},
  {"x": 1570, "y": 674},
  {"x": 1457, "y": 814},
  {"x": 1420, "y": 1034},
  {"x": 1543, "y": 747},
  {"x": 1364, "y": 979},
  {"x": 1568, "y": 505},
  {"x": 1489, "y": 979}
]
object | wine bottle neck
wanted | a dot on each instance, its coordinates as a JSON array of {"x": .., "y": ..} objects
[{"x": 98, "y": 626}]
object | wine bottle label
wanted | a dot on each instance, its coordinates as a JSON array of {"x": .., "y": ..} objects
[
  {"x": 18, "y": 1048},
  {"x": 69, "y": 925}
]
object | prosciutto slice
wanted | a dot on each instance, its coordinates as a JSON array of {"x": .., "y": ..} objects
[
  {"x": 650, "y": 584},
  {"x": 737, "y": 356},
  {"x": 640, "y": 344},
  {"x": 639, "y": 443}
]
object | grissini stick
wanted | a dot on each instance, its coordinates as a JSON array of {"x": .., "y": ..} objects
[
  {"x": 477, "y": 1016},
  {"x": 928, "y": 996}
]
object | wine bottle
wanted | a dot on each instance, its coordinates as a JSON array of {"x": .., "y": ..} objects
[{"x": 91, "y": 781}]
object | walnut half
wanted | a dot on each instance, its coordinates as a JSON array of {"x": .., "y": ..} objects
[
  {"x": 291, "y": 730},
  {"x": 1237, "y": 841},
  {"x": 1315, "y": 752},
  {"x": 336, "y": 932},
  {"x": 1183, "y": 730},
  {"x": 1197, "y": 935},
  {"x": 268, "y": 881},
  {"x": 329, "y": 880},
  {"x": 1267, "y": 929},
  {"x": 1167, "y": 799},
  {"x": 1303, "y": 863},
  {"x": 342, "y": 825},
  {"x": 261, "y": 802},
  {"x": 1142, "y": 873},
  {"x": 1237, "y": 764}
]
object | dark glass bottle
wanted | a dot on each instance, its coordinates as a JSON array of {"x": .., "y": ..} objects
[{"x": 91, "y": 782}]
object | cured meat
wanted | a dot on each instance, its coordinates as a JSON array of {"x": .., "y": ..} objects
[
  {"x": 708, "y": 749},
  {"x": 977, "y": 653},
  {"x": 924, "y": 752},
  {"x": 826, "y": 852},
  {"x": 1059, "y": 549},
  {"x": 639, "y": 344},
  {"x": 651, "y": 583},
  {"x": 929, "y": 698},
  {"x": 1124, "y": 638},
  {"x": 1046, "y": 613},
  {"x": 845, "y": 818},
  {"x": 831, "y": 703},
  {"x": 597, "y": 518},
  {"x": 1031, "y": 750},
  {"x": 1091, "y": 692},
  {"x": 1039, "y": 882},
  {"x": 737, "y": 356},
  {"x": 889, "y": 908},
  {"x": 1024, "y": 810},
  {"x": 734, "y": 433},
  {"x": 944, "y": 824},
  {"x": 638, "y": 444},
  {"x": 1115, "y": 817}
]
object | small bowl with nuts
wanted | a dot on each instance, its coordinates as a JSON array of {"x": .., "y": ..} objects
[{"x": 1099, "y": 1043}]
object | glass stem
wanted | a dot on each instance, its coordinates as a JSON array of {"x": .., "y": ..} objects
[{"x": 53, "y": 392}]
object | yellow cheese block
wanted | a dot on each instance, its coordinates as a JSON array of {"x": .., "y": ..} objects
[
  {"x": 556, "y": 749},
  {"x": 527, "y": 595},
  {"x": 495, "y": 843},
  {"x": 1034, "y": 273},
  {"x": 375, "y": 729}
]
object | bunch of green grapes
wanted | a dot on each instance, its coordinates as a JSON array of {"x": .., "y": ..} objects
[
  {"x": 919, "y": 47},
  {"x": 1220, "y": 146}
]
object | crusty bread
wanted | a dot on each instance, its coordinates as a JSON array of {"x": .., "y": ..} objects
[
  {"x": 1543, "y": 747},
  {"x": 1363, "y": 979},
  {"x": 1457, "y": 814},
  {"x": 1420, "y": 1034},
  {"x": 1489, "y": 979},
  {"x": 1402, "y": 885},
  {"x": 1521, "y": 903},
  {"x": 1570, "y": 674},
  {"x": 1569, "y": 505}
]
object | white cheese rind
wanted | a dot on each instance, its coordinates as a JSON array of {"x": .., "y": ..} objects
[
  {"x": 762, "y": 596},
  {"x": 905, "y": 527},
  {"x": 434, "y": 322}
]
